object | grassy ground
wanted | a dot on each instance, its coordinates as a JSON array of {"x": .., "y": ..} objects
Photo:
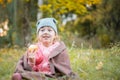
[{"x": 90, "y": 64}]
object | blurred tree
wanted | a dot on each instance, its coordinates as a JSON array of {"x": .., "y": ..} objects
[
  {"x": 107, "y": 22},
  {"x": 19, "y": 13},
  {"x": 4, "y": 21},
  {"x": 111, "y": 19},
  {"x": 104, "y": 23},
  {"x": 26, "y": 12},
  {"x": 60, "y": 7},
  {"x": 3, "y": 3}
]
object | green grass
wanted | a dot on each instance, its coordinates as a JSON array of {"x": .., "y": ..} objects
[
  {"x": 8, "y": 60},
  {"x": 83, "y": 62}
]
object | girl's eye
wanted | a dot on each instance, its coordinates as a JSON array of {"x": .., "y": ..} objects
[
  {"x": 49, "y": 30},
  {"x": 42, "y": 30}
]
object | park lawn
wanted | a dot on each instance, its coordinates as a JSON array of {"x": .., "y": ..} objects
[{"x": 89, "y": 64}]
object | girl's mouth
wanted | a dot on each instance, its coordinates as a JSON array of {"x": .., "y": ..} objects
[{"x": 46, "y": 36}]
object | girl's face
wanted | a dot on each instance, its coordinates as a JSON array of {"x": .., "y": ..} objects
[{"x": 46, "y": 35}]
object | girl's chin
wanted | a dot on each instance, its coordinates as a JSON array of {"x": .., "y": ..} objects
[{"x": 47, "y": 42}]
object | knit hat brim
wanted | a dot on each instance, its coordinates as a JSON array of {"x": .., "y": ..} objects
[{"x": 51, "y": 22}]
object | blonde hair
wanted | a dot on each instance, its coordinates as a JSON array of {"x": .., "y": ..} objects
[{"x": 57, "y": 38}]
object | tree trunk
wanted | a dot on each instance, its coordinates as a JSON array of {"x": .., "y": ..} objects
[
  {"x": 23, "y": 25},
  {"x": 39, "y": 14}
]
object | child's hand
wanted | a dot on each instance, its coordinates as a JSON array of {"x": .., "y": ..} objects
[
  {"x": 31, "y": 54},
  {"x": 31, "y": 59}
]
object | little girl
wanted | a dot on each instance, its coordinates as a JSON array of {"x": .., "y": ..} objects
[{"x": 46, "y": 59}]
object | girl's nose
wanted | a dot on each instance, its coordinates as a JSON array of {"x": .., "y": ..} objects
[{"x": 45, "y": 31}]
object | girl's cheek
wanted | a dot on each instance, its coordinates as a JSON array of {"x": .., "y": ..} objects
[{"x": 40, "y": 34}]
